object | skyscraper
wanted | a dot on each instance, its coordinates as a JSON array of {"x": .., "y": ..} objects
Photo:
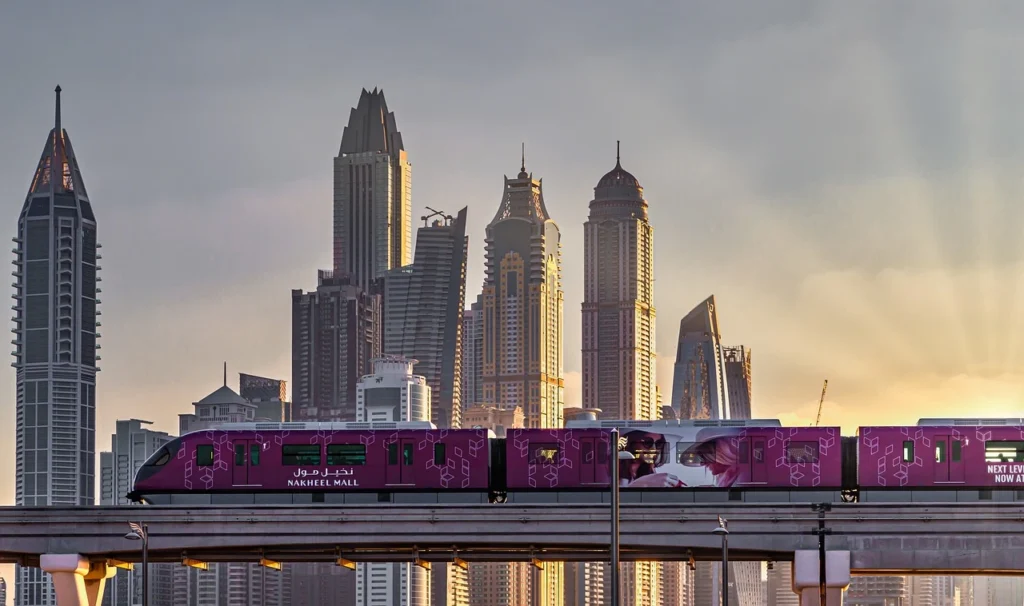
[
  {"x": 269, "y": 395},
  {"x": 699, "y": 383},
  {"x": 423, "y": 313},
  {"x": 55, "y": 274},
  {"x": 472, "y": 354},
  {"x": 522, "y": 305},
  {"x": 130, "y": 446},
  {"x": 335, "y": 335},
  {"x": 372, "y": 194},
  {"x": 738, "y": 378},
  {"x": 618, "y": 300}
]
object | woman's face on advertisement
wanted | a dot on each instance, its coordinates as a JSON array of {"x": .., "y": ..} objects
[{"x": 645, "y": 447}]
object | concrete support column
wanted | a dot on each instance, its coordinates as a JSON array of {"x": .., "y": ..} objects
[
  {"x": 806, "y": 573},
  {"x": 75, "y": 581}
]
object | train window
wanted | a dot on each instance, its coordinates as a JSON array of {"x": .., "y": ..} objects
[
  {"x": 346, "y": 454},
  {"x": 1003, "y": 451},
  {"x": 393, "y": 453},
  {"x": 908, "y": 451},
  {"x": 744, "y": 454},
  {"x": 940, "y": 451},
  {"x": 954, "y": 451},
  {"x": 801, "y": 452},
  {"x": 694, "y": 454},
  {"x": 204, "y": 455},
  {"x": 254, "y": 455},
  {"x": 163, "y": 458},
  {"x": 439, "y": 455},
  {"x": 300, "y": 454},
  {"x": 544, "y": 454},
  {"x": 239, "y": 454},
  {"x": 407, "y": 454}
]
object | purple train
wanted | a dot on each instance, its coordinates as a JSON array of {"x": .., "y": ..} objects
[{"x": 658, "y": 461}]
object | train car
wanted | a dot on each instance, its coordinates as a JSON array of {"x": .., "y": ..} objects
[
  {"x": 942, "y": 460},
  {"x": 295, "y": 463},
  {"x": 676, "y": 461}
]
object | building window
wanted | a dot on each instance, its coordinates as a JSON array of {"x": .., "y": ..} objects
[
  {"x": 908, "y": 451},
  {"x": 300, "y": 454},
  {"x": 346, "y": 454},
  {"x": 204, "y": 455}
]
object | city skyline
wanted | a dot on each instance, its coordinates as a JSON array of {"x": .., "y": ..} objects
[{"x": 849, "y": 200}]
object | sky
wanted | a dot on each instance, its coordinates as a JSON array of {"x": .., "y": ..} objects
[{"x": 843, "y": 177}]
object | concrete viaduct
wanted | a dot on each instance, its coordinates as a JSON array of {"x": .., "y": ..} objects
[{"x": 82, "y": 546}]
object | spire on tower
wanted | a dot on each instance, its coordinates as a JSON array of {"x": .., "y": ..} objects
[
  {"x": 617, "y": 164},
  {"x": 56, "y": 119},
  {"x": 522, "y": 170},
  {"x": 225, "y": 374}
]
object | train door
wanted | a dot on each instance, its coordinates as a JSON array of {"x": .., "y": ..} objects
[
  {"x": 758, "y": 461},
  {"x": 949, "y": 462},
  {"x": 399, "y": 467},
  {"x": 589, "y": 456},
  {"x": 246, "y": 459}
]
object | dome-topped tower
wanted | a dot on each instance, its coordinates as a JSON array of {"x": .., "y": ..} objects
[{"x": 619, "y": 192}]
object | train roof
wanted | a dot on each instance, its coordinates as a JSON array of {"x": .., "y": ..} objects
[
  {"x": 325, "y": 426},
  {"x": 982, "y": 422},
  {"x": 610, "y": 423}
]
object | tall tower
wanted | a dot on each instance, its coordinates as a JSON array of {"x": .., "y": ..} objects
[
  {"x": 423, "y": 307},
  {"x": 699, "y": 383},
  {"x": 372, "y": 194},
  {"x": 618, "y": 300},
  {"x": 55, "y": 342},
  {"x": 522, "y": 306},
  {"x": 738, "y": 377}
]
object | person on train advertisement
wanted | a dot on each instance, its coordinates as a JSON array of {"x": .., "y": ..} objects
[{"x": 684, "y": 457}]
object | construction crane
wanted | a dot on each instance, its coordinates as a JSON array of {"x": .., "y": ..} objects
[{"x": 821, "y": 403}]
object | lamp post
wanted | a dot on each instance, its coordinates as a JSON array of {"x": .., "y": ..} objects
[
  {"x": 723, "y": 531},
  {"x": 614, "y": 461},
  {"x": 141, "y": 533}
]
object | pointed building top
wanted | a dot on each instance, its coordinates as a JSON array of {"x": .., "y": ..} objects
[
  {"x": 371, "y": 127},
  {"x": 522, "y": 170},
  {"x": 225, "y": 374},
  {"x": 617, "y": 163},
  {"x": 57, "y": 171}
]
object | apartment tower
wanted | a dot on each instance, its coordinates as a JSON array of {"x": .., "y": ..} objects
[
  {"x": 522, "y": 305},
  {"x": 55, "y": 332},
  {"x": 372, "y": 194},
  {"x": 423, "y": 307}
]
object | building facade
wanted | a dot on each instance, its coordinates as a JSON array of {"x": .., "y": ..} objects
[
  {"x": 269, "y": 395},
  {"x": 699, "y": 383},
  {"x": 522, "y": 306},
  {"x": 130, "y": 446},
  {"x": 738, "y": 379},
  {"x": 393, "y": 393},
  {"x": 618, "y": 301},
  {"x": 372, "y": 194},
  {"x": 491, "y": 417},
  {"x": 55, "y": 333},
  {"x": 336, "y": 332},
  {"x": 227, "y": 584},
  {"x": 780, "y": 585},
  {"x": 472, "y": 354},
  {"x": 423, "y": 307}
]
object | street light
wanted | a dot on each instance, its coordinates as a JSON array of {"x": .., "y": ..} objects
[
  {"x": 141, "y": 533},
  {"x": 614, "y": 460},
  {"x": 723, "y": 531}
]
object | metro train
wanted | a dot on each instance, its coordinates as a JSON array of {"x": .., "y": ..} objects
[{"x": 699, "y": 461}]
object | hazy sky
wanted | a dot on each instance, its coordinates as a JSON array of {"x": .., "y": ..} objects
[{"x": 844, "y": 177}]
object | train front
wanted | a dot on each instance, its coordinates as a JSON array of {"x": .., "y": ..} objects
[{"x": 162, "y": 474}]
